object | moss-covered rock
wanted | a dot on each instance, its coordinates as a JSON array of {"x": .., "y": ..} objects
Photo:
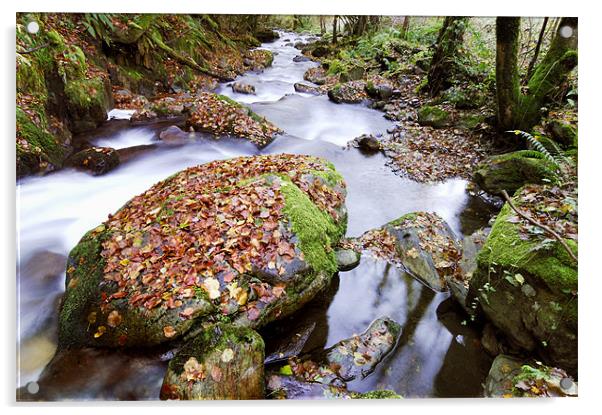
[
  {"x": 511, "y": 171},
  {"x": 434, "y": 116},
  {"x": 245, "y": 240},
  {"x": 563, "y": 133},
  {"x": 223, "y": 362},
  {"x": 88, "y": 101},
  {"x": 527, "y": 285}
]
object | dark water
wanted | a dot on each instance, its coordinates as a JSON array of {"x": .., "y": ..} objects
[{"x": 436, "y": 355}]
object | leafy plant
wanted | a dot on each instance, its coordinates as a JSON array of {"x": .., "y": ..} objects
[
  {"x": 99, "y": 25},
  {"x": 555, "y": 156}
]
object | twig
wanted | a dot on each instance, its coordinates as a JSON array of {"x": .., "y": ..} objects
[
  {"x": 24, "y": 52},
  {"x": 540, "y": 225}
]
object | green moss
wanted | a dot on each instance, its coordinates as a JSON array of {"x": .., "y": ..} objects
[
  {"x": 85, "y": 93},
  {"x": 470, "y": 121},
  {"x": 505, "y": 249},
  {"x": 400, "y": 220},
  {"x": 84, "y": 274},
  {"x": 378, "y": 394},
  {"x": 433, "y": 116},
  {"x": 215, "y": 337},
  {"x": 73, "y": 66},
  {"x": 38, "y": 137},
  {"x": 510, "y": 171},
  {"x": 315, "y": 229}
]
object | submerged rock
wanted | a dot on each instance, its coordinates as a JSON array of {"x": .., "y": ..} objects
[
  {"x": 433, "y": 116},
  {"x": 511, "y": 377},
  {"x": 526, "y": 283},
  {"x": 223, "y": 362},
  {"x": 347, "y": 259},
  {"x": 327, "y": 373},
  {"x": 173, "y": 134},
  {"x": 511, "y": 171},
  {"x": 249, "y": 240},
  {"x": 301, "y": 58},
  {"x": 427, "y": 247},
  {"x": 243, "y": 88},
  {"x": 97, "y": 160}
]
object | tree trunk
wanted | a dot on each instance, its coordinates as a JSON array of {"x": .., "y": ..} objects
[
  {"x": 322, "y": 25},
  {"x": 334, "y": 29},
  {"x": 442, "y": 64},
  {"x": 551, "y": 73},
  {"x": 405, "y": 26},
  {"x": 507, "y": 31},
  {"x": 537, "y": 49}
]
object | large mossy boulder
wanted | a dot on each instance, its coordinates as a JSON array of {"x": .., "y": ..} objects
[
  {"x": 433, "y": 116},
  {"x": 526, "y": 282},
  {"x": 511, "y": 171},
  {"x": 246, "y": 240},
  {"x": 88, "y": 101},
  {"x": 427, "y": 247},
  {"x": 223, "y": 362}
]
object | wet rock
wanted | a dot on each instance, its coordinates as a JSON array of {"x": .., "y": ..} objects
[
  {"x": 87, "y": 102},
  {"x": 459, "y": 283},
  {"x": 511, "y": 171},
  {"x": 349, "y": 92},
  {"x": 368, "y": 143},
  {"x": 173, "y": 134},
  {"x": 96, "y": 160},
  {"x": 347, "y": 259},
  {"x": 243, "y": 88},
  {"x": 534, "y": 297},
  {"x": 267, "y": 35},
  {"x": 132, "y": 281},
  {"x": 512, "y": 377},
  {"x": 301, "y": 58},
  {"x": 327, "y": 373},
  {"x": 427, "y": 247},
  {"x": 433, "y": 116},
  {"x": 489, "y": 340},
  {"x": 315, "y": 75},
  {"x": 291, "y": 347},
  {"x": 236, "y": 119},
  {"x": 261, "y": 58},
  {"x": 307, "y": 89},
  {"x": 224, "y": 362}
]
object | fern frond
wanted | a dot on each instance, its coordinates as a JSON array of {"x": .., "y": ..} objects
[{"x": 538, "y": 146}]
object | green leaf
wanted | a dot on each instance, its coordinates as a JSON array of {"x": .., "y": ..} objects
[{"x": 286, "y": 370}]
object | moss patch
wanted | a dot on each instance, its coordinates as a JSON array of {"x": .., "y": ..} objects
[{"x": 315, "y": 229}]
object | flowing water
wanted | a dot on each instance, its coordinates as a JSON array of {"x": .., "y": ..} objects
[{"x": 436, "y": 354}]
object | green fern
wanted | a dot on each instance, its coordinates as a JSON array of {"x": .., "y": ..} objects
[{"x": 555, "y": 156}]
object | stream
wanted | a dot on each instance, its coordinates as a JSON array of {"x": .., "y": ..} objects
[{"x": 436, "y": 355}]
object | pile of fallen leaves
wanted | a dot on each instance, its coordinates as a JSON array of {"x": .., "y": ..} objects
[
  {"x": 209, "y": 229},
  {"x": 221, "y": 116},
  {"x": 426, "y": 154},
  {"x": 542, "y": 381},
  {"x": 552, "y": 206}
]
